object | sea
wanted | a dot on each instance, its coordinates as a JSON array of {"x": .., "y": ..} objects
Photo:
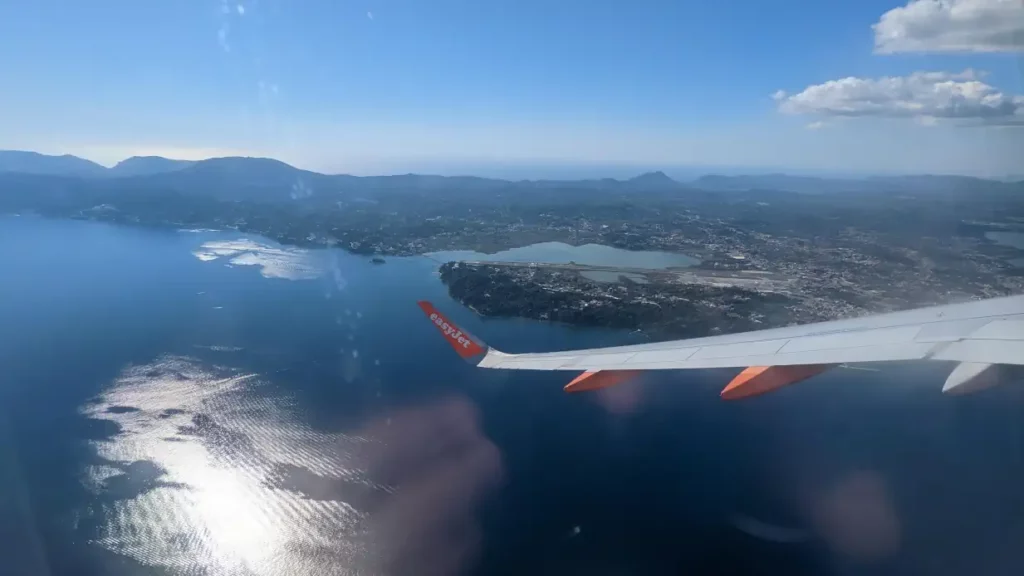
[{"x": 197, "y": 402}]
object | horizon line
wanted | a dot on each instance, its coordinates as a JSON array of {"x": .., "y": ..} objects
[{"x": 738, "y": 170}]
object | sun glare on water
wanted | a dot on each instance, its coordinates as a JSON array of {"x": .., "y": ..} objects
[{"x": 188, "y": 481}]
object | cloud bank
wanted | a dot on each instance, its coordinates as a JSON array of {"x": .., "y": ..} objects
[
  {"x": 933, "y": 95},
  {"x": 952, "y": 26}
]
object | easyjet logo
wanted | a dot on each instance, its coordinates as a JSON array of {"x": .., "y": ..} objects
[{"x": 451, "y": 332}]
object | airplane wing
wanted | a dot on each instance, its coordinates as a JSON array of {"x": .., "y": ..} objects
[{"x": 983, "y": 336}]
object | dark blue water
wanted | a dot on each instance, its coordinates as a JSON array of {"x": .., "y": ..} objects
[{"x": 212, "y": 403}]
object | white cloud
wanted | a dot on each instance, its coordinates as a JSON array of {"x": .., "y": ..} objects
[
  {"x": 816, "y": 125},
  {"x": 952, "y": 26},
  {"x": 936, "y": 95},
  {"x": 369, "y": 15},
  {"x": 241, "y": 10}
]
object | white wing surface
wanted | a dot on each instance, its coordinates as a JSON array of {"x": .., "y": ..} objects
[{"x": 981, "y": 334}]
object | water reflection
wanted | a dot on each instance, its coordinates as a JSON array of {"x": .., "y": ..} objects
[
  {"x": 188, "y": 482},
  {"x": 199, "y": 473},
  {"x": 273, "y": 262}
]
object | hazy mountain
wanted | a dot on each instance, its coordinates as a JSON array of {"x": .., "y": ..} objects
[
  {"x": 249, "y": 170},
  {"x": 652, "y": 181},
  {"x": 420, "y": 182},
  {"x": 785, "y": 182},
  {"x": 36, "y": 163},
  {"x": 239, "y": 178},
  {"x": 269, "y": 180},
  {"x": 941, "y": 183},
  {"x": 146, "y": 165},
  {"x": 588, "y": 184},
  {"x": 913, "y": 184}
]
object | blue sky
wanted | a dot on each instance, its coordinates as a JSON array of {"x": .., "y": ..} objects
[{"x": 372, "y": 86}]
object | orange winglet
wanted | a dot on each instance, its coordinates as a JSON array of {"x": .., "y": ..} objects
[
  {"x": 597, "y": 379},
  {"x": 761, "y": 379},
  {"x": 464, "y": 343}
]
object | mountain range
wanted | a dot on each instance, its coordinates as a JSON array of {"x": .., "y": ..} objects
[{"x": 265, "y": 179}]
